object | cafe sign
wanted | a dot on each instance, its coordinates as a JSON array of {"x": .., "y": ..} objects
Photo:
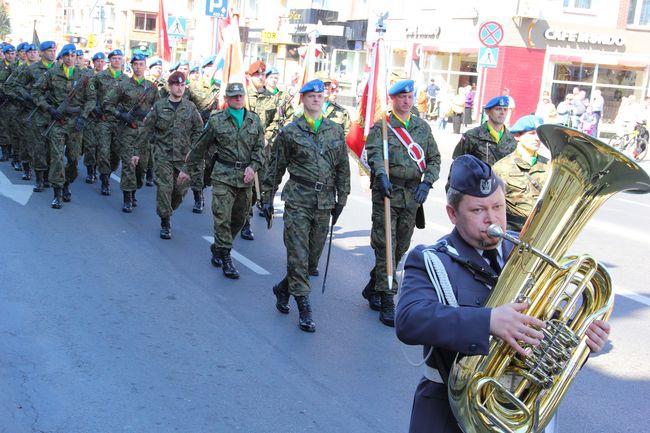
[{"x": 552, "y": 34}]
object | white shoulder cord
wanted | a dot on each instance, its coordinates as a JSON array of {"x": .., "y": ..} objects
[{"x": 440, "y": 281}]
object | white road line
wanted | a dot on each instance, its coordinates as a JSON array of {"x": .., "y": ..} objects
[
  {"x": 619, "y": 230},
  {"x": 115, "y": 177},
  {"x": 243, "y": 260},
  {"x": 633, "y": 202},
  {"x": 631, "y": 295}
]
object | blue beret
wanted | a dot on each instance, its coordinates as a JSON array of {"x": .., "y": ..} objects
[
  {"x": 155, "y": 62},
  {"x": 137, "y": 57},
  {"x": 497, "y": 101},
  {"x": 183, "y": 62},
  {"x": 80, "y": 52},
  {"x": 67, "y": 49},
  {"x": 471, "y": 176},
  {"x": 174, "y": 67},
  {"x": 8, "y": 48},
  {"x": 21, "y": 46},
  {"x": 272, "y": 71},
  {"x": 31, "y": 47},
  {"x": 115, "y": 53},
  {"x": 526, "y": 123},
  {"x": 46, "y": 45},
  {"x": 194, "y": 69},
  {"x": 99, "y": 56},
  {"x": 209, "y": 61},
  {"x": 404, "y": 86},
  {"x": 316, "y": 86}
]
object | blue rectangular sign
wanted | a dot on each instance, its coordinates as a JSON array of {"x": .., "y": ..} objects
[{"x": 216, "y": 8}]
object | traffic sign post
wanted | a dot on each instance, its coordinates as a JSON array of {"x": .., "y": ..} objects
[
  {"x": 488, "y": 57},
  {"x": 216, "y": 8},
  {"x": 490, "y": 34},
  {"x": 176, "y": 27}
]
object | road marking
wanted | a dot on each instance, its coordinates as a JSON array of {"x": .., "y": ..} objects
[
  {"x": 631, "y": 295},
  {"x": 18, "y": 193},
  {"x": 243, "y": 260},
  {"x": 619, "y": 231},
  {"x": 116, "y": 177},
  {"x": 633, "y": 202}
]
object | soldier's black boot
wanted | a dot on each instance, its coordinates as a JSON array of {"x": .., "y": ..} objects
[
  {"x": 149, "y": 177},
  {"x": 198, "y": 201},
  {"x": 90, "y": 174},
  {"x": 67, "y": 195},
  {"x": 165, "y": 228},
  {"x": 216, "y": 257},
  {"x": 128, "y": 206},
  {"x": 228, "y": 268},
  {"x": 134, "y": 201},
  {"x": 56, "y": 203},
  {"x": 38, "y": 185},
  {"x": 313, "y": 270},
  {"x": 27, "y": 171},
  {"x": 5, "y": 155},
  {"x": 305, "y": 320},
  {"x": 16, "y": 164},
  {"x": 281, "y": 292},
  {"x": 246, "y": 232},
  {"x": 387, "y": 313},
  {"x": 46, "y": 179},
  {"x": 105, "y": 185},
  {"x": 370, "y": 294}
]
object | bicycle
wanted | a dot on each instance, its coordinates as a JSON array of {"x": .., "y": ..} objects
[{"x": 633, "y": 143}]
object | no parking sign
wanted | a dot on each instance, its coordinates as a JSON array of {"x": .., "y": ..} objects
[{"x": 490, "y": 34}]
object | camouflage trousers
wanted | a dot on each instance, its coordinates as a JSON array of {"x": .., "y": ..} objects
[
  {"x": 91, "y": 142},
  {"x": 65, "y": 142},
  {"x": 108, "y": 152},
  {"x": 169, "y": 194},
  {"x": 402, "y": 226},
  {"x": 230, "y": 207},
  {"x": 13, "y": 130},
  {"x": 39, "y": 145},
  {"x": 305, "y": 232},
  {"x": 26, "y": 153},
  {"x": 132, "y": 177}
]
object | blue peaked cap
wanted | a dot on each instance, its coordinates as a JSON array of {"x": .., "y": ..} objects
[
  {"x": 471, "y": 176},
  {"x": 316, "y": 86},
  {"x": 497, "y": 101},
  {"x": 526, "y": 123},
  {"x": 404, "y": 86}
]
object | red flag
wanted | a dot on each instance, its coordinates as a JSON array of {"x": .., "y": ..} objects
[
  {"x": 372, "y": 105},
  {"x": 164, "y": 52}
]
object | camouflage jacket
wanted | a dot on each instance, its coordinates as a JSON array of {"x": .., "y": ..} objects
[
  {"x": 6, "y": 69},
  {"x": 174, "y": 129},
  {"x": 203, "y": 93},
  {"x": 283, "y": 115},
  {"x": 403, "y": 170},
  {"x": 338, "y": 115},
  {"x": 263, "y": 103},
  {"x": 314, "y": 157},
  {"x": 12, "y": 83},
  {"x": 523, "y": 185},
  {"x": 223, "y": 140},
  {"x": 129, "y": 94},
  {"x": 53, "y": 88},
  {"x": 104, "y": 83},
  {"x": 478, "y": 142},
  {"x": 28, "y": 76}
]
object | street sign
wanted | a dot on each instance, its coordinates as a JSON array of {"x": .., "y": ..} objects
[
  {"x": 490, "y": 33},
  {"x": 216, "y": 8},
  {"x": 176, "y": 27},
  {"x": 488, "y": 57}
]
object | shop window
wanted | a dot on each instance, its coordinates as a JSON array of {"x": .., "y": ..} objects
[
  {"x": 435, "y": 61},
  {"x": 145, "y": 22},
  {"x": 582, "y": 73},
  {"x": 577, "y": 4},
  {"x": 638, "y": 13},
  {"x": 620, "y": 76}
]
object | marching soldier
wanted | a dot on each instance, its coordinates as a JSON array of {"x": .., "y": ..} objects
[
  {"x": 129, "y": 102},
  {"x": 204, "y": 92},
  {"x": 90, "y": 139},
  {"x": 332, "y": 110},
  {"x": 6, "y": 69},
  {"x": 235, "y": 138},
  {"x": 108, "y": 152},
  {"x": 155, "y": 76},
  {"x": 414, "y": 165},
  {"x": 69, "y": 103},
  {"x": 490, "y": 141},
  {"x": 174, "y": 123},
  {"x": 524, "y": 172},
  {"x": 312, "y": 148},
  {"x": 38, "y": 144}
]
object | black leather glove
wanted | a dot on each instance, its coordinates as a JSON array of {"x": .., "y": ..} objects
[
  {"x": 97, "y": 110},
  {"x": 80, "y": 124},
  {"x": 267, "y": 209},
  {"x": 126, "y": 117},
  {"x": 421, "y": 192},
  {"x": 336, "y": 212},
  {"x": 385, "y": 186},
  {"x": 56, "y": 114}
]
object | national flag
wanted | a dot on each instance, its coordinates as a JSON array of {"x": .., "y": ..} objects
[
  {"x": 35, "y": 39},
  {"x": 163, "y": 51},
  {"x": 309, "y": 53}
]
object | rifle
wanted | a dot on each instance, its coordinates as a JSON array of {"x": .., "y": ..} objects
[
  {"x": 28, "y": 119},
  {"x": 134, "y": 109},
  {"x": 205, "y": 113},
  {"x": 64, "y": 104},
  {"x": 7, "y": 98}
]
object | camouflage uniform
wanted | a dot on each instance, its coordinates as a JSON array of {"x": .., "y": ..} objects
[
  {"x": 338, "y": 115},
  {"x": 478, "y": 142},
  {"x": 405, "y": 177},
  {"x": 90, "y": 138},
  {"x": 16, "y": 110},
  {"x": 108, "y": 127},
  {"x": 319, "y": 159},
  {"x": 64, "y": 138},
  {"x": 233, "y": 149},
  {"x": 122, "y": 98},
  {"x": 204, "y": 93},
  {"x": 173, "y": 131},
  {"x": 6, "y": 127},
  {"x": 523, "y": 186}
]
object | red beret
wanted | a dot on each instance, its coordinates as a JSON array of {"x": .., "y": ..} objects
[
  {"x": 176, "y": 77},
  {"x": 257, "y": 67}
]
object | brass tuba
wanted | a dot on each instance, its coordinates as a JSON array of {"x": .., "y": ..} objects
[{"x": 502, "y": 391}]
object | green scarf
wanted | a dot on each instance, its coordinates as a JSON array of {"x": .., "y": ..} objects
[
  {"x": 114, "y": 73},
  {"x": 238, "y": 115},
  {"x": 68, "y": 72},
  {"x": 314, "y": 123}
]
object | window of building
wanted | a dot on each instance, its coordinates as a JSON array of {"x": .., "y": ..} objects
[
  {"x": 639, "y": 13},
  {"x": 145, "y": 22},
  {"x": 577, "y": 4}
]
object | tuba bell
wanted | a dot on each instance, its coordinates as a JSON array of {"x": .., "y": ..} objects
[{"x": 503, "y": 391}]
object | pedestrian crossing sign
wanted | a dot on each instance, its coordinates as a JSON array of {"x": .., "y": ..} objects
[
  {"x": 488, "y": 57},
  {"x": 176, "y": 27}
]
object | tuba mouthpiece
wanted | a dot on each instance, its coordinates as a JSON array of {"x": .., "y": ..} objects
[{"x": 495, "y": 231}]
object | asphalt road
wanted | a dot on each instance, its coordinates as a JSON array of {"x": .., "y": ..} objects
[{"x": 104, "y": 327}]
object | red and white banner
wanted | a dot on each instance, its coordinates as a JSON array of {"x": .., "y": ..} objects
[{"x": 164, "y": 51}]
